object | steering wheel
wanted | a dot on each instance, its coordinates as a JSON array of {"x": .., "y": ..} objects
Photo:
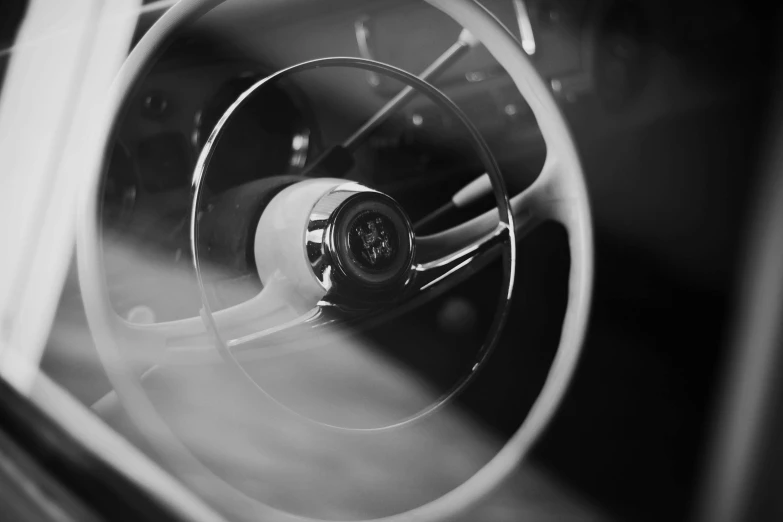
[
  {"x": 362, "y": 261},
  {"x": 337, "y": 207}
]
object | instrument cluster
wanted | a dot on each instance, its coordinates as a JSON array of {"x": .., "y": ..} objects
[
  {"x": 174, "y": 110},
  {"x": 146, "y": 196}
]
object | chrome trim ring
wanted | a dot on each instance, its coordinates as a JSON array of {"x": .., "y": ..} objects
[{"x": 333, "y": 256}]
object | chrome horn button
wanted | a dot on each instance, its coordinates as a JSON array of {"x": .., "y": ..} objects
[
  {"x": 359, "y": 241},
  {"x": 372, "y": 241}
]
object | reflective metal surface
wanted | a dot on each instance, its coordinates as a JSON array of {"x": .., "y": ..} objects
[{"x": 351, "y": 255}]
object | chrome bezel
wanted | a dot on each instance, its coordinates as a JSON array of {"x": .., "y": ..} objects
[{"x": 321, "y": 243}]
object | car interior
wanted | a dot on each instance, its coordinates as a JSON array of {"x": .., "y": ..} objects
[{"x": 464, "y": 260}]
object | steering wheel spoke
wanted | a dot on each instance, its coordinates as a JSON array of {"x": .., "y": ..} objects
[
  {"x": 554, "y": 193},
  {"x": 436, "y": 270},
  {"x": 280, "y": 339},
  {"x": 189, "y": 341}
]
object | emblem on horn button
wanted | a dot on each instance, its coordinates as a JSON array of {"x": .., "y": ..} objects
[{"x": 373, "y": 240}]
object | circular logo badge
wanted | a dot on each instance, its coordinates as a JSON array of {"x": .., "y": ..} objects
[{"x": 373, "y": 240}]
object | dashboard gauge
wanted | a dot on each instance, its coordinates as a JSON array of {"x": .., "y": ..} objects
[
  {"x": 270, "y": 136},
  {"x": 121, "y": 187},
  {"x": 165, "y": 162}
]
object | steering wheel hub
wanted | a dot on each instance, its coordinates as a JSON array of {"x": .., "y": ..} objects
[{"x": 359, "y": 239}]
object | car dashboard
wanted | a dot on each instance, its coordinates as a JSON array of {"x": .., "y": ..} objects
[
  {"x": 599, "y": 58},
  {"x": 647, "y": 96}
]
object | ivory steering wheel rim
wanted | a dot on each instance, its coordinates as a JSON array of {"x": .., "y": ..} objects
[{"x": 559, "y": 194}]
